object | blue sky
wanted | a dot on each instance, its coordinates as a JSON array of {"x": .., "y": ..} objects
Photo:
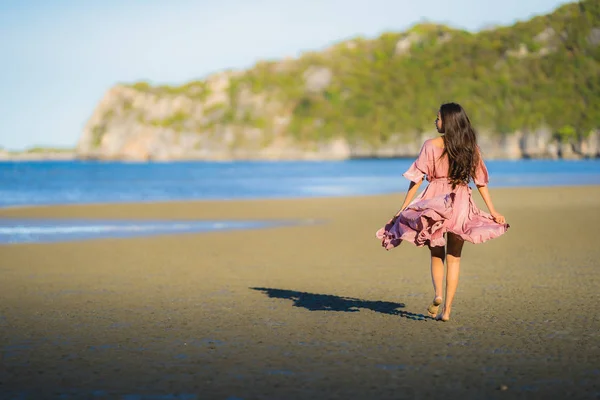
[{"x": 59, "y": 57}]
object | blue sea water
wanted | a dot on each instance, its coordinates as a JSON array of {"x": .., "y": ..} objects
[
  {"x": 73, "y": 182},
  {"x": 84, "y": 182}
]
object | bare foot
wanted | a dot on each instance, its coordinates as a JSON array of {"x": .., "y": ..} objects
[
  {"x": 445, "y": 315},
  {"x": 432, "y": 310}
]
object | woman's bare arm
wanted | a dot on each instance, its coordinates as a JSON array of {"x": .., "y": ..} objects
[
  {"x": 410, "y": 194},
  {"x": 485, "y": 194}
]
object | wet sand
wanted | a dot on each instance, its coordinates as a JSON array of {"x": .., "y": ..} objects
[{"x": 316, "y": 311}]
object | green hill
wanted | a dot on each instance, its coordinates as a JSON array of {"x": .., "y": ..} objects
[
  {"x": 532, "y": 90},
  {"x": 542, "y": 72}
]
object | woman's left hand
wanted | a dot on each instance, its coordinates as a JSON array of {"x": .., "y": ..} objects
[{"x": 499, "y": 218}]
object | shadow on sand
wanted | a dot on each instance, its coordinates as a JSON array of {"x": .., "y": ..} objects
[{"x": 328, "y": 302}]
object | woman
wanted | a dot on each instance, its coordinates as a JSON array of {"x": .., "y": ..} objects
[{"x": 446, "y": 207}]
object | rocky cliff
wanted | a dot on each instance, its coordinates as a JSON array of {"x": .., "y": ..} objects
[{"x": 375, "y": 98}]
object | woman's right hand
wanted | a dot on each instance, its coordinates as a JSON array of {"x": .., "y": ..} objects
[{"x": 499, "y": 218}]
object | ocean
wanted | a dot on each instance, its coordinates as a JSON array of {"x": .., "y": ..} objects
[
  {"x": 86, "y": 182},
  {"x": 80, "y": 182}
]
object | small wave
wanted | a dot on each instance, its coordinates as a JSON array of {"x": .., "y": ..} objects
[
  {"x": 37, "y": 231},
  {"x": 51, "y": 230}
]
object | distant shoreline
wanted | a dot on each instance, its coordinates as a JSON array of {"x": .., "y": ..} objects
[{"x": 38, "y": 155}]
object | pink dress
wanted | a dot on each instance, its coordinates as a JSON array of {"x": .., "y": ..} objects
[{"x": 439, "y": 208}]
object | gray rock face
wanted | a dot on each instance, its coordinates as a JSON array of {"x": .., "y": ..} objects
[
  {"x": 404, "y": 44},
  {"x": 535, "y": 144},
  {"x": 565, "y": 150},
  {"x": 545, "y": 35},
  {"x": 594, "y": 37},
  {"x": 317, "y": 79},
  {"x": 510, "y": 145},
  {"x": 589, "y": 146}
]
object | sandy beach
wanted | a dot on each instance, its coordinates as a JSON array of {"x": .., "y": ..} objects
[{"x": 313, "y": 311}]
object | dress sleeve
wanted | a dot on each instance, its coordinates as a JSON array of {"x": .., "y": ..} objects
[
  {"x": 419, "y": 168},
  {"x": 481, "y": 177}
]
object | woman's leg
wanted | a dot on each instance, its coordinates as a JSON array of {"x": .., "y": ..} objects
[
  {"x": 438, "y": 254},
  {"x": 455, "y": 245}
]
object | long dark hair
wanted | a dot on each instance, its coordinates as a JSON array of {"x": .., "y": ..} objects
[{"x": 460, "y": 144}]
